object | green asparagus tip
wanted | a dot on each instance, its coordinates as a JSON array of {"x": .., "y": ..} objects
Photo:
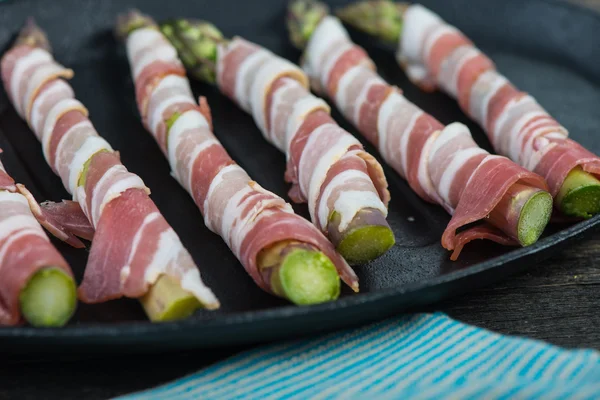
[
  {"x": 364, "y": 244},
  {"x": 303, "y": 18},
  {"x": 130, "y": 21},
  {"x": 534, "y": 217},
  {"x": 49, "y": 298},
  {"x": 306, "y": 277},
  {"x": 196, "y": 43},
  {"x": 379, "y": 18},
  {"x": 579, "y": 195}
]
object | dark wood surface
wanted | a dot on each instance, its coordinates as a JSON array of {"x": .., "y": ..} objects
[{"x": 557, "y": 301}]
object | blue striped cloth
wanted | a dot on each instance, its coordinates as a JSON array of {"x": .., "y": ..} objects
[{"x": 421, "y": 356}]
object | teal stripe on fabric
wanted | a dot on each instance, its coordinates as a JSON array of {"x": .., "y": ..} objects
[{"x": 424, "y": 356}]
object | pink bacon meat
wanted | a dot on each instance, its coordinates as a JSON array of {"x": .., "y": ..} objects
[
  {"x": 442, "y": 164},
  {"x": 434, "y": 53},
  {"x": 24, "y": 248},
  {"x": 327, "y": 166},
  {"x": 133, "y": 245},
  {"x": 247, "y": 217}
]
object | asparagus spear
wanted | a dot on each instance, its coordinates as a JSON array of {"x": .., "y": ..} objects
[
  {"x": 579, "y": 195},
  {"x": 368, "y": 235},
  {"x": 524, "y": 211},
  {"x": 49, "y": 298},
  {"x": 296, "y": 271}
]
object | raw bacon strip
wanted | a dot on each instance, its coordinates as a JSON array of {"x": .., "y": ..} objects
[
  {"x": 247, "y": 217},
  {"x": 442, "y": 164},
  {"x": 24, "y": 249},
  {"x": 133, "y": 244},
  {"x": 430, "y": 50},
  {"x": 298, "y": 123}
]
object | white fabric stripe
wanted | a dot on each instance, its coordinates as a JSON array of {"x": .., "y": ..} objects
[{"x": 91, "y": 146}]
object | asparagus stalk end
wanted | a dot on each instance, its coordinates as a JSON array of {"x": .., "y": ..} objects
[
  {"x": 167, "y": 301},
  {"x": 534, "y": 217},
  {"x": 379, "y": 18},
  {"x": 49, "y": 299},
  {"x": 299, "y": 272},
  {"x": 367, "y": 237},
  {"x": 579, "y": 195},
  {"x": 303, "y": 17},
  {"x": 306, "y": 277}
]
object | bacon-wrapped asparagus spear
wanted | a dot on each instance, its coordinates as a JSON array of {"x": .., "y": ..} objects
[
  {"x": 434, "y": 54},
  {"x": 344, "y": 186},
  {"x": 443, "y": 165},
  {"x": 134, "y": 253},
  {"x": 284, "y": 253},
  {"x": 36, "y": 283}
]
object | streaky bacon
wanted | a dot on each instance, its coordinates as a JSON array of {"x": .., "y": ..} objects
[
  {"x": 24, "y": 249},
  {"x": 247, "y": 217},
  {"x": 442, "y": 164},
  {"x": 516, "y": 125},
  {"x": 132, "y": 244}
]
